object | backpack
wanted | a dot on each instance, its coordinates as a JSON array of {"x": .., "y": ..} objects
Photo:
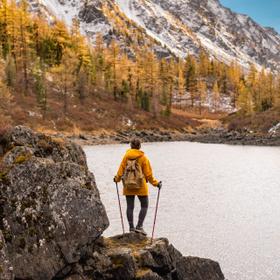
[{"x": 133, "y": 175}]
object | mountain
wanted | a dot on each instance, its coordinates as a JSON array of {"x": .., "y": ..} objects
[{"x": 179, "y": 26}]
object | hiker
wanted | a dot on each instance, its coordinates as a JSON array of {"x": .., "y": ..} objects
[{"x": 135, "y": 171}]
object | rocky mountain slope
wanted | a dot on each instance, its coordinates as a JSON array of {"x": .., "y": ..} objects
[
  {"x": 181, "y": 26},
  {"x": 52, "y": 219}
]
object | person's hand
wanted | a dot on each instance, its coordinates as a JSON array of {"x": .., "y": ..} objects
[
  {"x": 159, "y": 185},
  {"x": 115, "y": 179}
]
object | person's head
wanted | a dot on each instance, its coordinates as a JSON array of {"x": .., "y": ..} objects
[{"x": 135, "y": 143}]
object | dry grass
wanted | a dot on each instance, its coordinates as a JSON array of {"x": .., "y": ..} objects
[
  {"x": 134, "y": 245},
  {"x": 194, "y": 113},
  {"x": 142, "y": 272},
  {"x": 259, "y": 122},
  {"x": 97, "y": 113}
]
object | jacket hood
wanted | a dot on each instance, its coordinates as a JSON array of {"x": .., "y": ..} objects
[{"x": 134, "y": 153}]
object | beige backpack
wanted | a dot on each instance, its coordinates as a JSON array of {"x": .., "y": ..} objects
[{"x": 133, "y": 175}]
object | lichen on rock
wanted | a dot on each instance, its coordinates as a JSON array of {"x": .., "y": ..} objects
[
  {"x": 47, "y": 215},
  {"x": 132, "y": 256},
  {"x": 6, "y": 270}
]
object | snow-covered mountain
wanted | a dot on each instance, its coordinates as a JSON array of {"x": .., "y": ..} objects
[{"x": 177, "y": 26}]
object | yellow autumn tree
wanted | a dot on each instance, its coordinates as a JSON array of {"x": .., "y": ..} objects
[
  {"x": 65, "y": 77},
  {"x": 245, "y": 100},
  {"x": 216, "y": 96},
  {"x": 202, "y": 94}
]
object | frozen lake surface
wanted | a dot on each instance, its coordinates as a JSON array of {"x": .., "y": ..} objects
[{"x": 218, "y": 201}]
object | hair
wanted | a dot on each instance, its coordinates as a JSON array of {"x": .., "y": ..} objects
[{"x": 135, "y": 143}]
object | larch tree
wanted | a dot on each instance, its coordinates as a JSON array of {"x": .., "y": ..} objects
[
  {"x": 151, "y": 79},
  {"x": 191, "y": 77},
  {"x": 203, "y": 64},
  {"x": 233, "y": 77},
  {"x": 65, "y": 76},
  {"x": 202, "y": 94},
  {"x": 245, "y": 100},
  {"x": 24, "y": 55},
  {"x": 40, "y": 85},
  {"x": 216, "y": 96},
  {"x": 180, "y": 80},
  {"x": 4, "y": 32},
  {"x": 112, "y": 70}
]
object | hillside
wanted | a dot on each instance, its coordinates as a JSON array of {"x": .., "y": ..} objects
[
  {"x": 52, "y": 78},
  {"x": 180, "y": 27}
]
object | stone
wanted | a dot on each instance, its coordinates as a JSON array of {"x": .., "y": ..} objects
[
  {"x": 193, "y": 268},
  {"x": 50, "y": 205},
  {"x": 6, "y": 270},
  {"x": 133, "y": 256},
  {"x": 147, "y": 275}
]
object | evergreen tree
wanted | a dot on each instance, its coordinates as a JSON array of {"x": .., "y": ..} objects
[
  {"x": 65, "y": 74},
  {"x": 245, "y": 100},
  {"x": 202, "y": 94},
  {"x": 40, "y": 86},
  {"x": 191, "y": 77},
  {"x": 4, "y": 22},
  {"x": 216, "y": 96}
]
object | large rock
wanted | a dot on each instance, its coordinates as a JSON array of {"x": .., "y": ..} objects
[
  {"x": 133, "y": 256},
  {"x": 193, "y": 268},
  {"x": 6, "y": 270},
  {"x": 50, "y": 208}
]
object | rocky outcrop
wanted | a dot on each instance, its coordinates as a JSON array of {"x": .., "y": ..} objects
[
  {"x": 52, "y": 218},
  {"x": 133, "y": 256},
  {"x": 6, "y": 270},
  {"x": 50, "y": 206}
]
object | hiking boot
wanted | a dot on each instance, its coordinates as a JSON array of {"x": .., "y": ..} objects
[
  {"x": 140, "y": 230},
  {"x": 132, "y": 229}
]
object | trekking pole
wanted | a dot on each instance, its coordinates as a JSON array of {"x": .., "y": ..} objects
[
  {"x": 120, "y": 207},
  {"x": 155, "y": 215}
]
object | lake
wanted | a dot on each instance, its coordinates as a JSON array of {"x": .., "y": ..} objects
[{"x": 218, "y": 201}]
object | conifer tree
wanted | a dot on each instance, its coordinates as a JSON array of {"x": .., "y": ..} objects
[
  {"x": 4, "y": 22},
  {"x": 203, "y": 64},
  {"x": 65, "y": 74},
  {"x": 114, "y": 52},
  {"x": 40, "y": 86},
  {"x": 191, "y": 77},
  {"x": 24, "y": 38},
  {"x": 216, "y": 96},
  {"x": 151, "y": 66},
  {"x": 180, "y": 79},
  {"x": 10, "y": 71},
  {"x": 202, "y": 94},
  {"x": 5, "y": 95},
  {"x": 234, "y": 77},
  {"x": 245, "y": 101}
]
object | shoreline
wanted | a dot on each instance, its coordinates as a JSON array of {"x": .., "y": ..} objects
[{"x": 213, "y": 136}]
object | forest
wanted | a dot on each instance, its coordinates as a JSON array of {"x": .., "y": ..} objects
[{"x": 47, "y": 68}]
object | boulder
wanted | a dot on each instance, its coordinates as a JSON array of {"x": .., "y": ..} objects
[
  {"x": 6, "y": 270},
  {"x": 193, "y": 268},
  {"x": 49, "y": 204},
  {"x": 133, "y": 256}
]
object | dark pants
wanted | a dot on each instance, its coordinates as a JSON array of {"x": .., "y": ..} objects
[{"x": 130, "y": 208}]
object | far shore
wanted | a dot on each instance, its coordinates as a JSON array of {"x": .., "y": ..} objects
[{"x": 211, "y": 136}]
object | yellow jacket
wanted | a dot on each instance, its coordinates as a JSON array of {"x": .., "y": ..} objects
[{"x": 146, "y": 168}]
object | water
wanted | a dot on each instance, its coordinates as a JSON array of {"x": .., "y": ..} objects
[{"x": 218, "y": 201}]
